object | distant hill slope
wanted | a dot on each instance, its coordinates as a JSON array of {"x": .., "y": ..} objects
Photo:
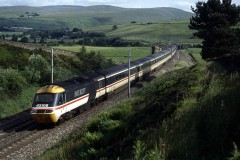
[{"x": 80, "y": 16}]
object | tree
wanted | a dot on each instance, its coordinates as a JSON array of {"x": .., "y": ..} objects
[
  {"x": 57, "y": 34},
  {"x": 44, "y": 34},
  {"x": 40, "y": 69},
  {"x": 36, "y": 14},
  {"x": 76, "y": 30},
  {"x": 215, "y": 23},
  {"x": 3, "y": 37},
  {"x": 83, "y": 51},
  {"x": 114, "y": 27},
  {"x": 24, "y": 40},
  {"x": 15, "y": 37},
  {"x": 11, "y": 82}
]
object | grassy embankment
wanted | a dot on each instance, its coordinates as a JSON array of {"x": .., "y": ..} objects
[
  {"x": 191, "y": 113},
  {"x": 13, "y": 105},
  {"x": 15, "y": 93}
]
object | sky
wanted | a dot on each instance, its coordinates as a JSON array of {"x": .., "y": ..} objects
[{"x": 181, "y": 4}]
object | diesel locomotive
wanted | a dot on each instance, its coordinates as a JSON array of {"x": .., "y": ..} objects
[{"x": 60, "y": 100}]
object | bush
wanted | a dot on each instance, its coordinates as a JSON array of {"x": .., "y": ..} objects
[
  {"x": 13, "y": 57},
  {"x": 24, "y": 40},
  {"x": 35, "y": 63},
  {"x": 11, "y": 82}
]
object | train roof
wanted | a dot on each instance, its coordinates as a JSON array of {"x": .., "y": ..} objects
[
  {"x": 78, "y": 81},
  {"x": 50, "y": 89},
  {"x": 171, "y": 47},
  {"x": 141, "y": 61},
  {"x": 159, "y": 54},
  {"x": 89, "y": 76},
  {"x": 124, "y": 67},
  {"x": 113, "y": 70},
  {"x": 61, "y": 86},
  {"x": 82, "y": 80},
  {"x": 155, "y": 55}
]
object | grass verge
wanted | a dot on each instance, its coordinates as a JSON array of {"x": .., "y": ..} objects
[{"x": 20, "y": 103}]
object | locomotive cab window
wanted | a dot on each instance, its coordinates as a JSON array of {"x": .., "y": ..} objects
[
  {"x": 44, "y": 100},
  {"x": 60, "y": 99}
]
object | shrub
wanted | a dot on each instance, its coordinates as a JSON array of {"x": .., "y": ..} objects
[
  {"x": 24, "y": 40},
  {"x": 40, "y": 67},
  {"x": 139, "y": 150},
  {"x": 11, "y": 82}
]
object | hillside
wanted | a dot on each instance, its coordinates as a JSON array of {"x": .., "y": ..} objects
[
  {"x": 174, "y": 31},
  {"x": 80, "y": 16}
]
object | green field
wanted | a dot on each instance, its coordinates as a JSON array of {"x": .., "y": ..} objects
[
  {"x": 117, "y": 54},
  {"x": 172, "y": 31}
]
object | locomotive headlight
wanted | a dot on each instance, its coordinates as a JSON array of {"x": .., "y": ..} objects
[
  {"x": 48, "y": 111},
  {"x": 33, "y": 111}
]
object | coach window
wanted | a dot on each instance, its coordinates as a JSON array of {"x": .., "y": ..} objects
[
  {"x": 118, "y": 77},
  {"x": 113, "y": 79},
  {"x": 122, "y": 75},
  {"x": 126, "y": 73},
  {"x": 139, "y": 68},
  {"x": 101, "y": 84},
  {"x": 133, "y": 71},
  {"x": 143, "y": 66}
]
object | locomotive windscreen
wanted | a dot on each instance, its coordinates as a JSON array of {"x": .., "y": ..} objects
[{"x": 44, "y": 100}]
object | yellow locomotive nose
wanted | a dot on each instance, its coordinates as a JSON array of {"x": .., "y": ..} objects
[{"x": 44, "y": 117}]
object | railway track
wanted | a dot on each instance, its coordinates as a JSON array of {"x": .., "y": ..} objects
[
  {"x": 21, "y": 138},
  {"x": 15, "y": 131},
  {"x": 16, "y": 141},
  {"x": 13, "y": 119}
]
